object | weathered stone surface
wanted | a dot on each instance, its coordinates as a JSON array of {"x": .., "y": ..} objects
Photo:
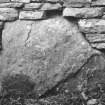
[
  {"x": 42, "y": 6},
  {"x": 32, "y": 6},
  {"x": 37, "y": 0},
  {"x": 49, "y": 6},
  {"x": 95, "y": 38},
  {"x": 83, "y": 12},
  {"x": 94, "y": 64},
  {"x": 23, "y": 1},
  {"x": 89, "y": 82},
  {"x": 4, "y": 1},
  {"x": 98, "y": 3},
  {"x": 77, "y": 3},
  {"x": 11, "y": 5},
  {"x": 8, "y": 14},
  {"x": 98, "y": 45},
  {"x": 50, "y": 1},
  {"x": 53, "y": 1},
  {"x": 47, "y": 51},
  {"x": 92, "y": 25},
  {"x": 31, "y": 15}
]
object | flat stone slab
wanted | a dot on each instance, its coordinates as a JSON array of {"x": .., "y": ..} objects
[
  {"x": 98, "y": 3},
  {"x": 46, "y": 51},
  {"x": 8, "y": 14},
  {"x": 4, "y": 1},
  {"x": 21, "y": 1},
  {"x": 42, "y": 6},
  {"x": 92, "y": 25},
  {"x": 98, "y": 45},
  {"x": 83, "y": 12},
  {"x": 31, "y": 15},
  {"x": 95, "y": 38},
  {"x": 50, "y": 1},
  {"x": 77, "y": 3},
  {"x": 11, "y": 5}
]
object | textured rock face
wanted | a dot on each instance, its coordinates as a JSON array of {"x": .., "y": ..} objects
[
  {"x": 86, "y": 87},
  {"x": 95, "y": 38},
  {"x": 92, "y": 26},
  {"x": 83, "y": 12},
  {"x": 4, "y": 1},
  {"x": 47, "y": 51},
  {"x": 76, "y": 3},
  {"x": 98, "y": 3},
  {"x": 30, "y": 15},
  {"x": 8, "y": 14},
  {"x": 42, "y": 6},
  {"x": 24, "y": 1},
  {"x": 11, "y": 5}
]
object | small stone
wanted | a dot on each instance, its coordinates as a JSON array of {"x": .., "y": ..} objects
[
  {"x": 49, "y": 6},
  {"x": 53, "y": 1},
  {"x": 37, "y": 1},
  {"x": 98, "y": 45},
  {"x": 83, "y": 12},
  {"x": 77, "y": 3},
  {"x": 32, "y": 6},
  {"x": 42, "y": 6},
  {"x": 11, "y": 5},
  {"x": 98, "y": 3},
  {"x": 8, "y": 14},
  {"x": 95, "y": 38},
  {"x": 21, "y": 1},
  {"x": 4, "y": 1},
  {"x": 92, "y": 102},
  {"x": 92, "y": 25},
  {"x": 66, "y": 91},
  {"x": 50, "y": 1},
  {"x": 31, "y": 15}
]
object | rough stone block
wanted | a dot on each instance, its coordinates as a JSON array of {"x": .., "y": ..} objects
[
  {"x": 11, "y": 5},
  {"x": 98, "y": 45},
  {"x": 50, "y": 1},
  {"x": 8, "y": 14},
  {"x": 31, "y": 15},
  {"x": 83, "y": 12},
  {"x": 92, "y": 25},
  {"x": 32, "y": 6},
  {"x": 77, "y": 3},
  {"x": 42, "y": 6},
  {"x": 46, "y": 51},
  {"x": 98, "y": 3},
  {"x": 4, "y": 1},
  {"x": 23, "y": 1},
  {"x": 95, "y": 38}
]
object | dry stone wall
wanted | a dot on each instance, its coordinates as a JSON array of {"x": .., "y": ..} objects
[
  {"x": 49, "y": 41},
  {"x": 88, "y": 14}
]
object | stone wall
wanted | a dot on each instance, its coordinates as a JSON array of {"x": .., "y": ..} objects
[
  {"x": 88, "y": 15},
  {"x": 53, "y": 45}
]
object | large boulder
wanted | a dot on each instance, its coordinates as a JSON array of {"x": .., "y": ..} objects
[{"x": 46, "y": 51}]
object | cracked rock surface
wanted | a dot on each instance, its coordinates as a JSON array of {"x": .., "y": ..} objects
[{"x": 47, "y": 51}]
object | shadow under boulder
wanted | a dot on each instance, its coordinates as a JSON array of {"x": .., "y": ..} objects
[{"x": 15, "y": 89}]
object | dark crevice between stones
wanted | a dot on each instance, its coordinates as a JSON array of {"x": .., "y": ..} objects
[
  {"x": 1, "y": 48},
  {"x": 72, "y": 19},
  {"x": 15, "y": 89},
  {"x": 53, "y": 13},
  {"x": 101, "y": 50},
  {"x": 0, "y": 40}
]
